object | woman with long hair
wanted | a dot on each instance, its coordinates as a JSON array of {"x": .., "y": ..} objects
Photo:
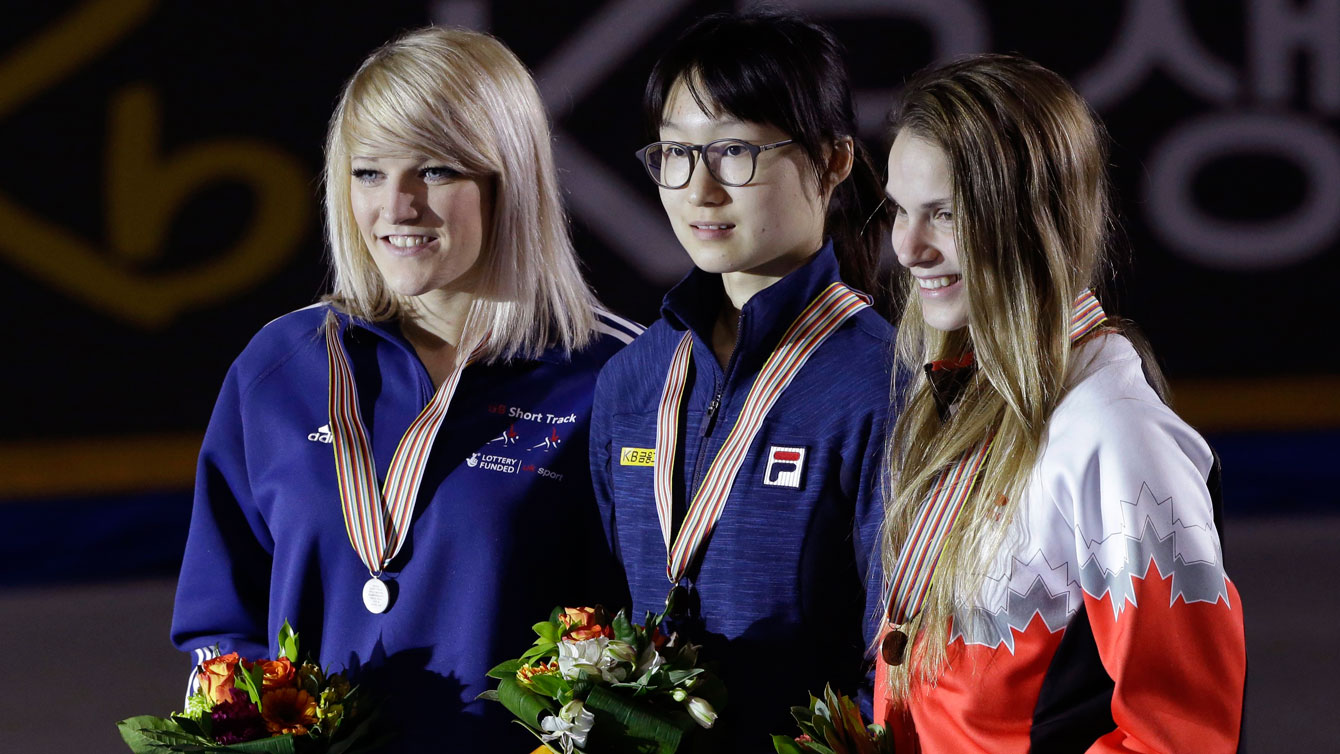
[
  {"x": 377, "y": 463},
  {"x": 735, "y": 444},
  {"x": 1054, "y": 569}
]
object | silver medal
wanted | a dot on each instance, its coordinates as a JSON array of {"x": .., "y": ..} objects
[{"x": 375, "y": 595}]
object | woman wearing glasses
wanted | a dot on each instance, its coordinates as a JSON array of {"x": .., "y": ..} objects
[
  {"x": 1057, "y": 581},
  {"x": 736, "y": 444},
  {"x": 375, "y": 461}
]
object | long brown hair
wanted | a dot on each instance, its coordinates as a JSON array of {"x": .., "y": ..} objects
[{"x": 1028, "y": 163}]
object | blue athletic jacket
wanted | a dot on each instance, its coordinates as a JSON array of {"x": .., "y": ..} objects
[
  {"x": 504, "y": 529},
  {"x": 789, "y": 581}
]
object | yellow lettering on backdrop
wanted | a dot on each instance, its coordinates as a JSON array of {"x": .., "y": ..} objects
[{"x": 145, "y": 189}]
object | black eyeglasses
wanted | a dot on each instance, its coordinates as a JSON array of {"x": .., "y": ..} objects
[{"x": 730, "y": 161}]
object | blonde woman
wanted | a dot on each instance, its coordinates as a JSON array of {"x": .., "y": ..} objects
[
  {"x": 1054, "y": 571},
  {"x": 395, "y": 469}
]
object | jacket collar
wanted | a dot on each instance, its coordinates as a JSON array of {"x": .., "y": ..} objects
[
  {"x": 390, "y": 330},
  {"x": 693, "y": 304}
]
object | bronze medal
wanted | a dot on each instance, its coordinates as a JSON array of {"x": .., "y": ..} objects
[{"x": 894, "y": 647}]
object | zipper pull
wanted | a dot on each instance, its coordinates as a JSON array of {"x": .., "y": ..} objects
[{"x": 711, "y": 416}]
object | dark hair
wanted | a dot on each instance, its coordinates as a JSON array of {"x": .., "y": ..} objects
[{"x": 779, "y": 69}]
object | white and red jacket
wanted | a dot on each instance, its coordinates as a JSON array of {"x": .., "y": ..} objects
[{"x": 1106, "y": 622}]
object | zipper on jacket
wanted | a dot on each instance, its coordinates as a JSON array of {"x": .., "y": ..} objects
[{"x": 709, "y": 419}]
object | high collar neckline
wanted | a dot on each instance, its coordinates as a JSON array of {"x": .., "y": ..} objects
[
  {"x": 695, "y": 302},
  {"x": 391, "y": 330}
]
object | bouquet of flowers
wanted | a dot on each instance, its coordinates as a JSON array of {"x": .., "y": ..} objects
[
  {"x": 833, "y": 725},
  {"x": 278, "y": 706},
  {"x": 592, "y": 683}
]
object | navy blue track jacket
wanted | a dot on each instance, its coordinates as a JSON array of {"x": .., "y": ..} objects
[
  {"x": 789, "y": 581},
  {"x": 505, "y": 498}
]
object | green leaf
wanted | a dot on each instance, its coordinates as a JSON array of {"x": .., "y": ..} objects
[
  {"x": 250, "y": 680},
  {"x": 550, "y": 684},
  {"x": 139, "y": 732},
  {"x": 525, "y": 704},
  {"x": 288, "y": 642},
  {"x": 678, "y": 677},
  {"x": 625, "y": 725},
  {"x": 623, "y": 629},
  {"x": 854, "y": 727},
  {"x": 194, "y": 727},
  {"x": 548, "y": 631},
  {"x": 277, "y": 745},
  {"x": 489, "y": 696},
  {"x": 505, "y": 669},
  {"x": 581, "y": 686},
  {"x": 825, "y": 730},
  {"x": 542, "y": 648}
]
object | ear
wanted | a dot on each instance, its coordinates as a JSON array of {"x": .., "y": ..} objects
[{"x": 840, "y": 160}]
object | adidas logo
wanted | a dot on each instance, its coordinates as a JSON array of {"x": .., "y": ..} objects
[{"x": 321, "y": 435}]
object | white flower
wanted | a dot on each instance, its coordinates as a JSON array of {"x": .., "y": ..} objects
[
  {"x": 598, "y": 657},
  {"x": 569, "y": 727},
  {"x": 576, "y": 656},
  {"x": 621, "y": 651},
  {"x": 701, "y": 712}
]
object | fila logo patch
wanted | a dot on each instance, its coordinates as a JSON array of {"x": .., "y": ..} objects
[
  {"x": 785, "y": 467},
  {"x": 637, "y": 457}
]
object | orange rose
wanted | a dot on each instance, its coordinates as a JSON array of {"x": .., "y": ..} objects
[
  {"x": 216, "y": 679},
  {"x": 277, "y": 673},
  {"x": 288, "y": 710},
  {"x": 585, "y": 622}
]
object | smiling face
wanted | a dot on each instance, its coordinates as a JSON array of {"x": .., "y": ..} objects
[
  {"x": 423, "y": 223},
  {"x": 762, "y": 230},
  {"x": 923, "y": 229}
]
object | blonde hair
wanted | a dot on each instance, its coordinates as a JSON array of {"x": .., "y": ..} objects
[
  {"x": 463, "y": 98},
  {"x": 1027, "y": 159}
]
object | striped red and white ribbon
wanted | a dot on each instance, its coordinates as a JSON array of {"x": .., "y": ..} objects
[
  {"x": 377, "y": 517},
  {"x": 911, "y": 578},
  {"x": 820, "y": 319}
]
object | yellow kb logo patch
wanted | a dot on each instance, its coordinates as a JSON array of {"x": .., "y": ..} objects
[{"x": 637, "y": 457}]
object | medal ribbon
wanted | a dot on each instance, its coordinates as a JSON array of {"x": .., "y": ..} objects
[
  {"x": 371, "y": 526},
  {"x": 925, "y": 541},
  {"x": 820, "y": 319}
]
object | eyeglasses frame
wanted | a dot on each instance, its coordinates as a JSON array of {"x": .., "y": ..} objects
[{"x": 754, "y": 150}]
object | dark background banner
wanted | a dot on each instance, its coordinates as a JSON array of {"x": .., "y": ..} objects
[
  {"x": 161, "y": 197},
  {"x": 160, "y": 203}
]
